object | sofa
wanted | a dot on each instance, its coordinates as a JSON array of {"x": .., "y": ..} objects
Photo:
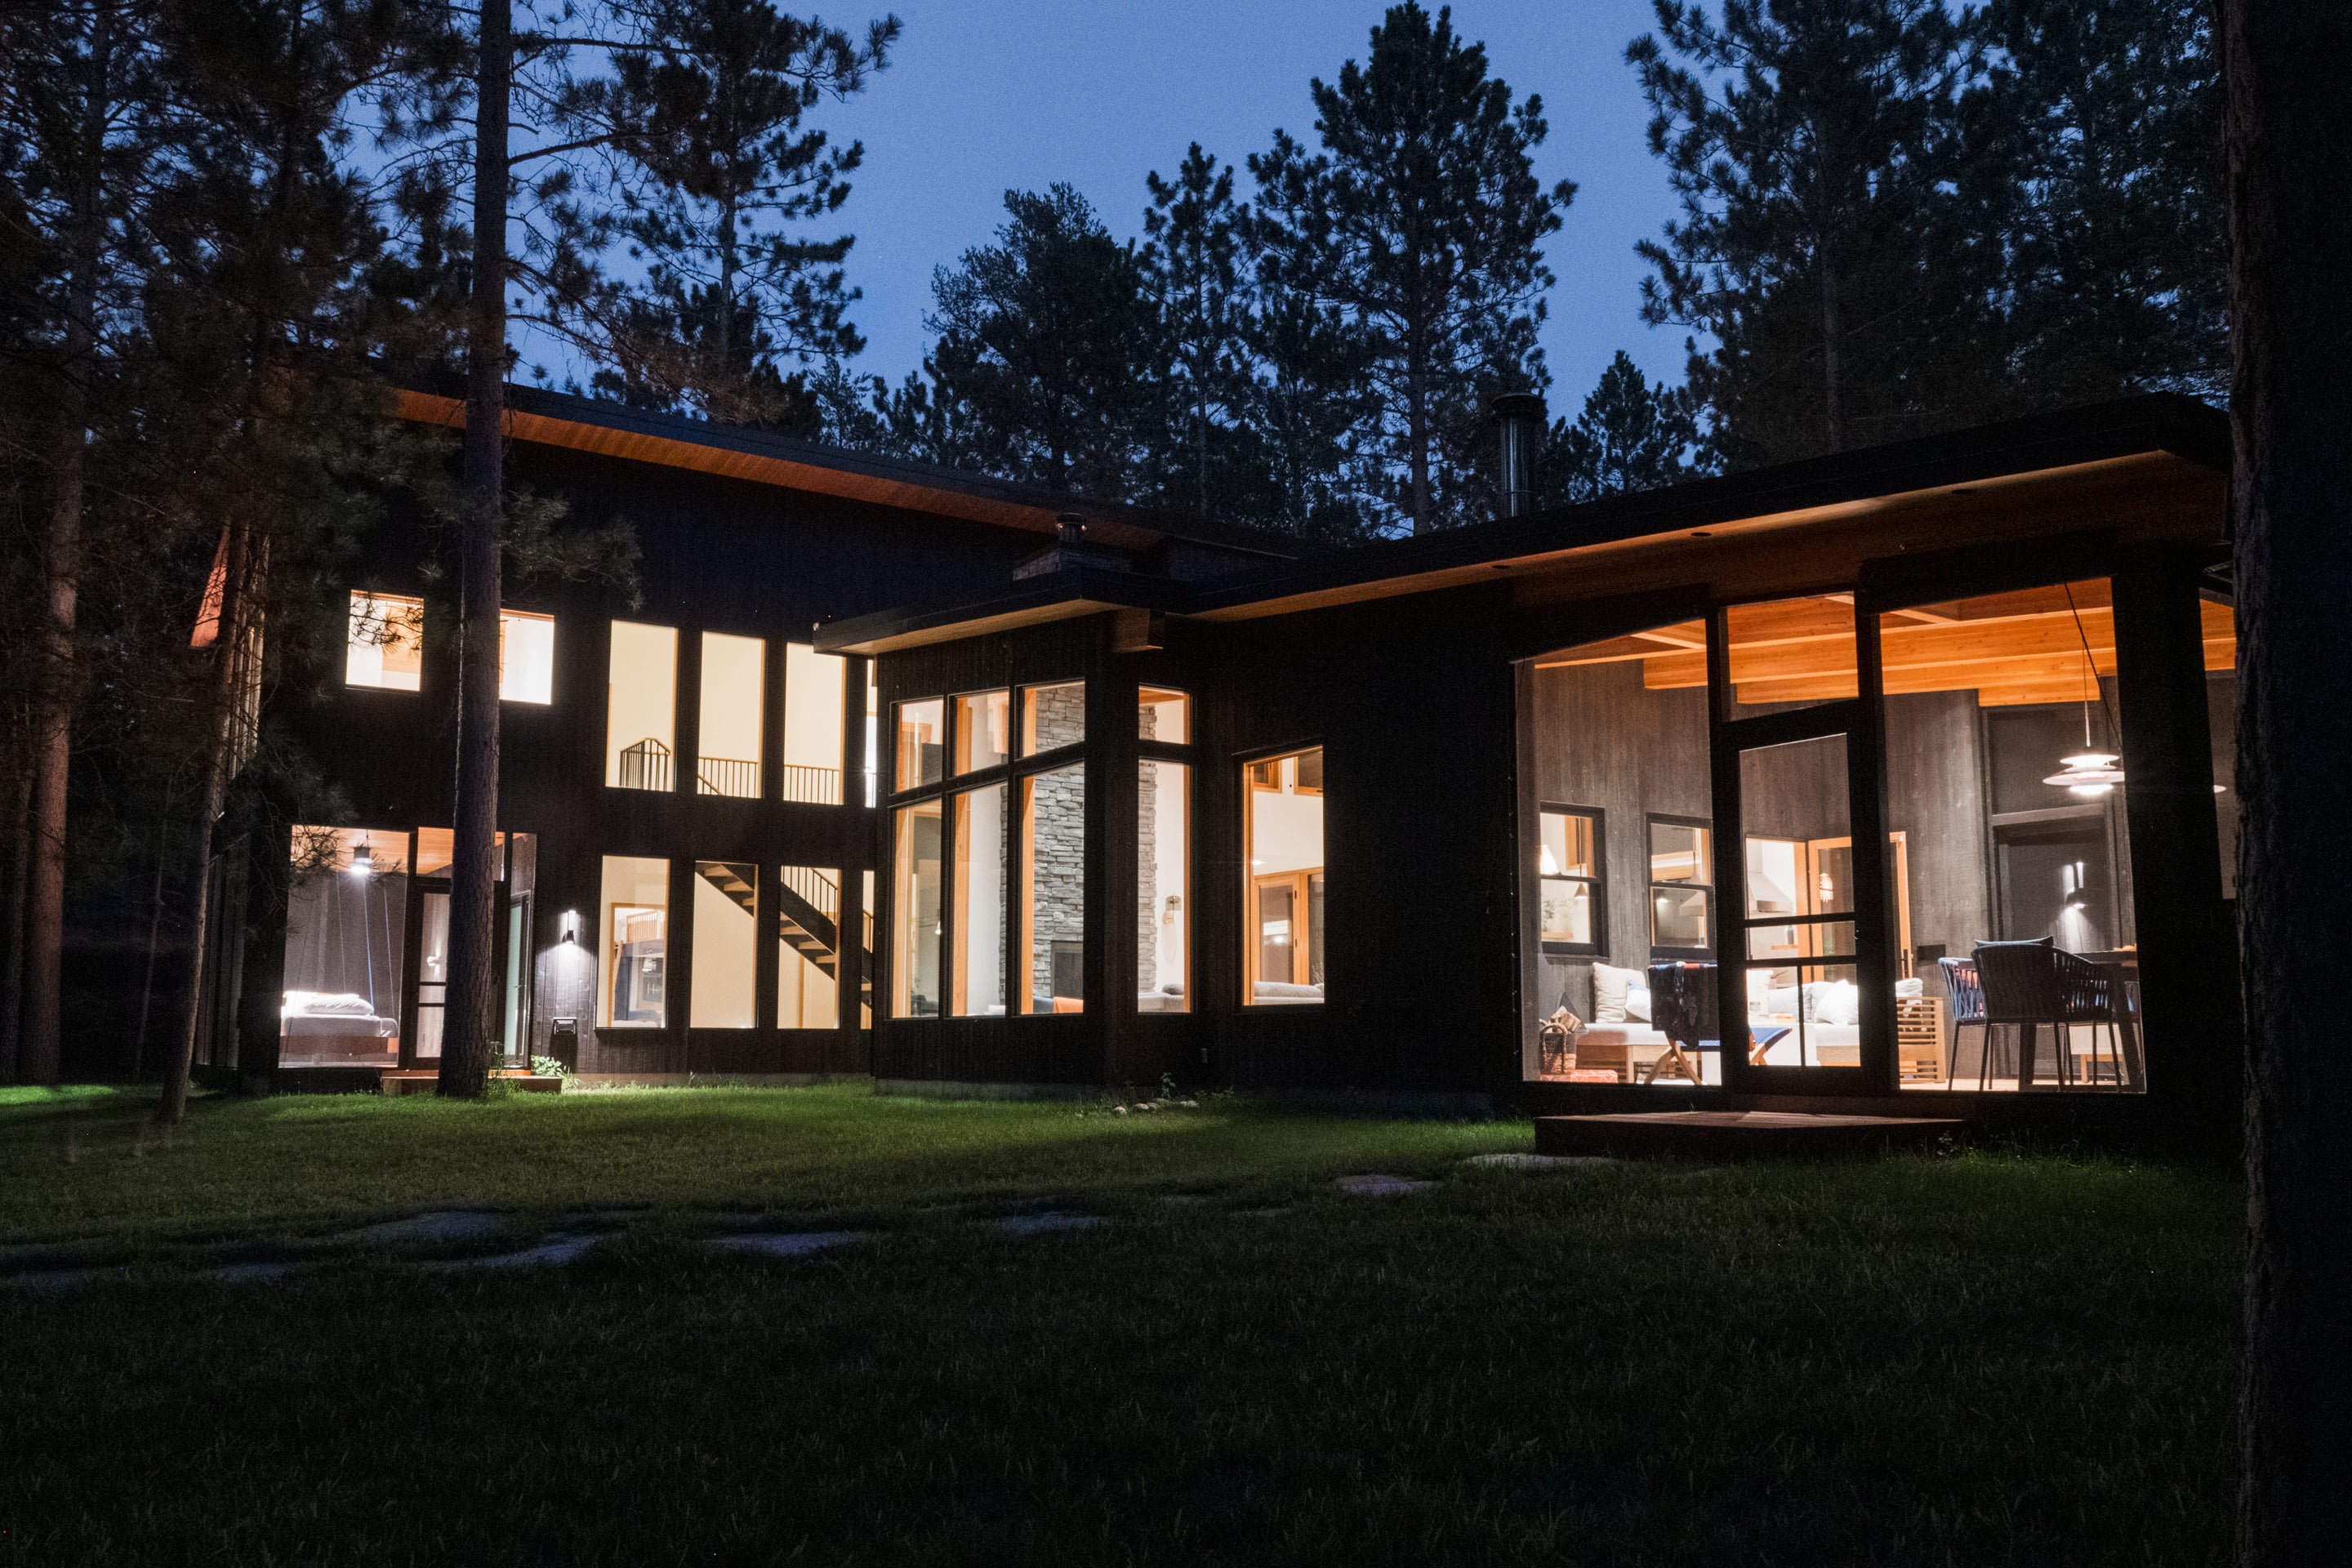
[{"x": 1622, "y": 1037}]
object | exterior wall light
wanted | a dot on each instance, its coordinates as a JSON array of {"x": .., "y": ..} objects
[{"x": 572, "y": 925}]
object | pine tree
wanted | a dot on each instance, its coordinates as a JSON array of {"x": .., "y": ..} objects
[
  {"x": 1632, "y": 435},
  {"x": 1193, "y": 266},
  {"x": 1426, "y": 220},
  {"x": 1048, "y": 361},
  {"x": 719, "y": 174},
  {"x": 1813, "y": 145}
]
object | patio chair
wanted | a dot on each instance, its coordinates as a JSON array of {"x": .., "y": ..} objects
[
  {"x": 2031, "y": 983},
  {"x": 1687, "y": 1007},
  {"x": 1968, "y": 1008}
]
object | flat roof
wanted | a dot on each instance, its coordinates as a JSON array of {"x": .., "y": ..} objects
[
  {"x": 673, "y": 440},
  {"x": 2155, "y": 466}
]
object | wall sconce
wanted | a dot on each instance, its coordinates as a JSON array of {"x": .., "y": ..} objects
[
  {"x": 363, "y": 859},
  {"x": 570, "y": 925}
]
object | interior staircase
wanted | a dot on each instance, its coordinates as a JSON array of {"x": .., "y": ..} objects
[{"x": 808, "y": 908}]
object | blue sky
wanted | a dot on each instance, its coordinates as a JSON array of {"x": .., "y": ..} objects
[{"x": 987, "y": 95}]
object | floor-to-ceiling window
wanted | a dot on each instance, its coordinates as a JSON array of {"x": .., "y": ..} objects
[
  {"x": 641, "y": 707},
  {"x": 1163, "y": 852},
  {"x": 1283, "y": 872}
]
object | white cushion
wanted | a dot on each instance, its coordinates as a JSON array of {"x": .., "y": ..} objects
[
  {"x": 1609, "y": 984},
  {"x": 1637, "y": 1003},
  {"x": 1832, "y": 1002},
  {"x": 1910, "y": 990}
]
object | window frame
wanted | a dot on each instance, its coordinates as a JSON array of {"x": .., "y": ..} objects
[
  {"x": 1302, "y": 880},
  {"x": 1176, "y": 753},
  {"x": 1012, "y": 772},
  {"x": 1661, "y": 952},
  {"x": 1598, "y": 883}
]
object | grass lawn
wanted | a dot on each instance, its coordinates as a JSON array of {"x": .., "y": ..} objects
[{"x": 1971, "y": 1358}]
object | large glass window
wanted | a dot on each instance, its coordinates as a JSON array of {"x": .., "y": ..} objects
[
  {"x": 816, "y": 698},
  {"x": 2005, "y": 780},
  {"x": 1282, "y": 896},
  {"x": 1616, "y": 736},
  {"x": 808, "y": 968},
  {"x": 384, "y": 645},
  {"x": 922, "y": 742},
  {"x": 1682, "y": 887},
  {"x": 734, "y": 681},
  {"x": 1053, "y": 914},
  {"x": 346, "y": 930},
  {"x": 982, "y": 721},
  {"x": 726, "y": 944},
  {"x": 1804, "y": 1007},
  {"x": 526, "y": 656},
  {"x": 1163, "y": 868},
  {"x": 983, "y": 838},
  {"x": 1164, "y": 716},
  {"x": 633, "y": 931},
  {"x": 641, "y": 707},
  {"x": 1568, "y": 879},
  {"x": 1786, "y": 653},
  {"x": 1052, "y": 716},
  {"x": 915, "y": 913}
]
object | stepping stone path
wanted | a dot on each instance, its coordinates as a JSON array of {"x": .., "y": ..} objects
[
  {"x": 247, "y": 1273},
  {"x": 788, "y": 1243},
  {"x": 559, "y": 1248},
  {"x": 1539, "y": 1162},
  {"x": 426, "y": 1229},
  {"x": 1046, "y": 1220},
  {"x": 1378, "y": 1186}
]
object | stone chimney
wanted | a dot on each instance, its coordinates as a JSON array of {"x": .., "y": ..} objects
[{"x": 1071, "y": 547}]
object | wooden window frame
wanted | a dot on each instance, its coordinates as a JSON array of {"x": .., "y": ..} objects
[
  {"x": 1661, "y": 952},
  {"x": 1252, "y": 883},
  {"x": 1597, "y": 882}
]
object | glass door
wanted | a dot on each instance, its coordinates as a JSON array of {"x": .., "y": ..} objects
[
  {"x": 429, "y": 991},
  {"x": 1806, "y": 989}
]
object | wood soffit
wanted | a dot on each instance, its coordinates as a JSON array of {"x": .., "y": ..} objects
[
  {"x": 848, "y": 483},
  {"x": 2141, "y": 497}
]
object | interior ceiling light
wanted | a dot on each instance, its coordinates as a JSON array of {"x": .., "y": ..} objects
[
  {"x": 2089, "y": 772},
  {"x": 1547, "y": 863}
]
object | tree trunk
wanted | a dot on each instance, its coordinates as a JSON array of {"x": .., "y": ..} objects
[
  {"x": 155, "y": 938},
  {"x": 229, "y": 673},
  {"x": 473, "y": 872},
  {"x": 2290, "y": 215},
  {"x": 40, "y": 1044},
  {"x": 1833, "y": 360},
  {"x": 11, "y": 919}
]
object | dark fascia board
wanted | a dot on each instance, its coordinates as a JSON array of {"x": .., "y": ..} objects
[
  {"x": 2154, "y": 423},
  {"x": 1042, "y": 505},
  {"x": 1034, "y": 601},
  {"x": 2131, "y": 427}
]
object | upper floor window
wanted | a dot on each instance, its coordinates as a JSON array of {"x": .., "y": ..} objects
[
  {"x": 817, "y": 713},
  {"x": 384, "y": 647},
  {"x": 641, "y": 703},
  {"x": 727, "y": 755},
  {"x": 526, "y": 656}
]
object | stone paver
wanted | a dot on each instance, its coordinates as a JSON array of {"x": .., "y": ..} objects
[
  {"x": 1380, "y": 1186},
  {"x": 1046, "y": 1220},
  {"x": 787, "y": 1243}
]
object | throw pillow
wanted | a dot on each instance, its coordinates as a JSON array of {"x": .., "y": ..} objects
[
  {"x": 1637, "y": 1003},
  {"x": 1609, "y": 984}
]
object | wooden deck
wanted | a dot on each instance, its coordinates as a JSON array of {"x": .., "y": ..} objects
[{"x": 1736, "y": 1132}]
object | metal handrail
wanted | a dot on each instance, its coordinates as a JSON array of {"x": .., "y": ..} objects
[
  {"x": 728, "y": 776},
  {"x": 646, "y": 765},
  {"x": 814, "y": 786}
]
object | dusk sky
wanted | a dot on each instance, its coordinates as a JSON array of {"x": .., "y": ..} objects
[{"x": 984, "y": 97}]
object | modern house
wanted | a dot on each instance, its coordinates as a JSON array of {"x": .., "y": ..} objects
[{"x": 1709, "y": 797}]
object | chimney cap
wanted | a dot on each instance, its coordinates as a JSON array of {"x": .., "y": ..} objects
[{"x": 1516, "y": 405}]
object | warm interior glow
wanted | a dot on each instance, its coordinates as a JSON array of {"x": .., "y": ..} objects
[
  {"x": 526, "y": 656},
  {"x": 385, "y": 645}
]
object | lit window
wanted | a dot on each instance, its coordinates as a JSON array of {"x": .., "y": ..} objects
[
  {"x": 981, "y": 719},
  {"x": 726, "y": 758},
  {"x": 808, "y": 967},
  {"x": 983, "y": 837},
  {"x": 726, "y": 944},
  {"x": 1163, "y": 812},
  {"x": 1052, "y": 716},
  {"x": 1164, "y": 716},
  {"x": 915, "y": 914},
  {"x": 634, "y": 927},
  {"x": 1682, "y": 887},
  {"x": 816, "y": 704},
  {"x": 641, "y": 707},
  {"x": 526, "y": 656},
  {"x": 1053, "y": 890},
  {"x": 385, "y": 645},
  {"x": 1281, "y": 837},
  {"x": 922, "y": 742},
  {"x": 1568, "y": 879}
]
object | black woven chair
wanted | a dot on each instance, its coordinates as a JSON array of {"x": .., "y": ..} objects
[
  {"x": 1967, "y": 993},
  {"x": 2031, "y": 983},
  {"x": 1687, "y": 1007}
]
